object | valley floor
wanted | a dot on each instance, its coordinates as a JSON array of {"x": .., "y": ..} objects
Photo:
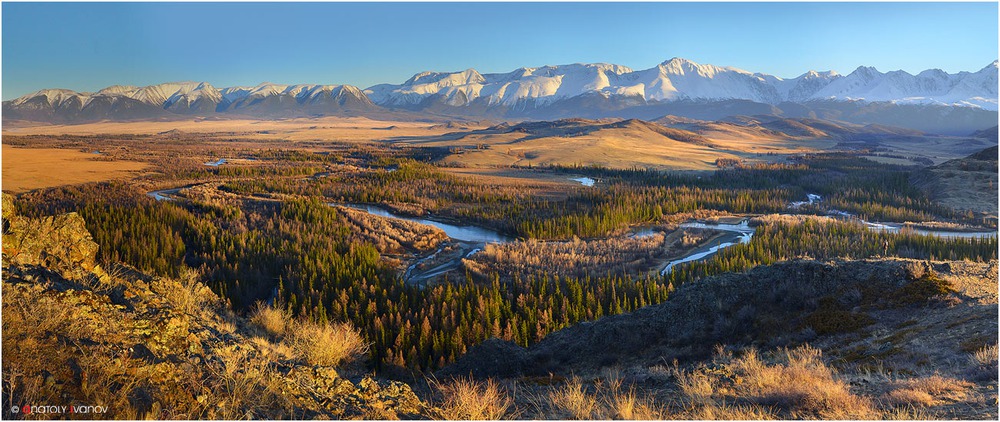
[{"x": 352, "y": 268}]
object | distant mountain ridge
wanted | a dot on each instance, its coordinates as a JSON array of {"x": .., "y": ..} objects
[
  {"x": 681, "y": 79},
  {"x": 932, "y": 100},
  {"x": 187, "y": 98}
]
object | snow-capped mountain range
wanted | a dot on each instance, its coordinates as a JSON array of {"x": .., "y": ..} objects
[
  {"x": 188, "y": 98},
  {"x": 680, "y": 79},
  {"x": 677, "y": 86}
]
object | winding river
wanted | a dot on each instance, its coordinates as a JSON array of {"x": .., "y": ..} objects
[
  {"x": 735, "y": 233},
  {"x": 472, "y": 234},
  {"x": 738, "y": 234}
]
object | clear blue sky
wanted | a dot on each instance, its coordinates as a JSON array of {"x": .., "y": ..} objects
[{"x": 87, "y": 46}]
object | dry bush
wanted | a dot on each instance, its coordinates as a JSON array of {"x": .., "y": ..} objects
[
  {"x": 798, "y": 384},
  {"x": 909, "y": 396},
  {"x": 327, "y": 344},
  {"x": 245, "y": 387},
  {"x": 572, "y": 401},
  {"x": 275, "y": 321},
  {"x": 724, "y": 411},
  {"x": 789, "y": 220},
  {"x": 696, "y": 387},
  {"x": 984, "y": 362},
  {"x": 908, "y": 413},
  {"x": 185, "y": 294},
  {"x": 316, "y": 343},
  {"x": 466, "y": 399},
  {"x": 273, "y": 351},
  {"x": 928, "y": 391},
  {"x": 805, "y": 385},
  {"x": 628, "y": 405}
]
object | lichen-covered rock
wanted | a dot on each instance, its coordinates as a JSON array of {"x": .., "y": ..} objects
[
  {"x": 59, "y": 243},
  {"x": 7, "y": 206}
]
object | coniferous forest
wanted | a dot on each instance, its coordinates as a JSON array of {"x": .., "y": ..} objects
[{"x": 267, "y": 233}]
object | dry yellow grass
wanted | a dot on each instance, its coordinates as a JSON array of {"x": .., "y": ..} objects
[
  {"x": 909, "y": 396},
  {"x": 986, "y": 357},
  {"x": 274, "y": 321},
  {"x": 697, "y": 387},
  {"x": 466, "y": 399},
  {"x": 620, "y": 148},
  {"x": 798, "y": 384},
  {"x": 324, "y": 344},
  {"x": 348, "y": 129},
  {"x": 628, "y": 405},
  {"x": 572, "y": 401},
  {"x": 327, "y": 344},
  {"x": 928, "y": 391},
  {"x": 806, "y": 385},
  {"x": 33, "y": 168}
]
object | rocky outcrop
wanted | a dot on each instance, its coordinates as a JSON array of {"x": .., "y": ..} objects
[
  {"x": 151, "y": 347},
  {"x": 60, "y": 243}
]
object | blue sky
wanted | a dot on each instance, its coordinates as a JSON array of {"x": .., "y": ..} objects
[{"x": 87, "y": 46}]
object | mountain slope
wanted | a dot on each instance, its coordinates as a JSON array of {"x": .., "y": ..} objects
[
  {"x": 680, "y": 79},
  {"x": 931, "y": 101},
  {"x": 187, "y": 98},
  {"x": 968, "y": 183}
]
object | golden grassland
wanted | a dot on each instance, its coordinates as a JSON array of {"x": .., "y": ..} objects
[
  {"x": 32, "y": 168},
  {"x": 617, "y": 147},
  {"x": 627, "y": 147},
  {"x": 346, "y": 129}
]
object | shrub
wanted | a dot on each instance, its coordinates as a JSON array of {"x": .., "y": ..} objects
[
  {"x": 466, "y": 399},
  {"x": 923, "y": 289},
  {"x": 829, "y": 318},
  {"x": 986, "y": 359},
  {"x": 628, "y": 405},
  {"x": 572, "y": 401},
  {"x": 273, "y": 320},
  {"x": 327, "y": 344},
  {"x": 798, "y": 383},
  {"x": 928, "y": 391}
]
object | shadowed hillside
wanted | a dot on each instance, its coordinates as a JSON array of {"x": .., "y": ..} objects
[{"x": 867, "y": 339}]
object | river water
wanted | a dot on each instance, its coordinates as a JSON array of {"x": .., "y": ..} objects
[
  {"x": 737, "y": 233},
  {"x": 464, "y": 233}
]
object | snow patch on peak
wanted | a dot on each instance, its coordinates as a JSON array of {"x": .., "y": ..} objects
[{"x": 53, "y": 96}]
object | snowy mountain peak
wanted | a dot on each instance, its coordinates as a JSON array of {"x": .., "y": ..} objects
[
  {"x": 812, "y": 74},
  {"x": 680, "y": 78},
  {"x": 571, "y": 89},
  {"x": 118, "y": 90},
  {"x": 933, "y": 73},
  {"x": 678, "y": 62},
  {"x": 866, "y": 72},
  {"x": 53, "y": 96}
]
